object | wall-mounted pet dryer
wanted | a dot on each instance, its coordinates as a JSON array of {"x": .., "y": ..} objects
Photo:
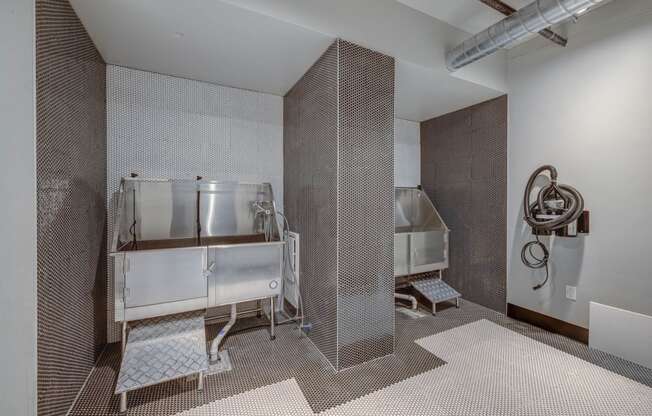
[{"x": 558, "y": 209}]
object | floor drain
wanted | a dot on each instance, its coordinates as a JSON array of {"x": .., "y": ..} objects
[{"x": 221, "y": 366}]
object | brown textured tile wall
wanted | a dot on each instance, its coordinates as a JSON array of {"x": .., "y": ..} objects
[
  {"x": 71, "y": 183},
  {"x": 464, "y": 172}
]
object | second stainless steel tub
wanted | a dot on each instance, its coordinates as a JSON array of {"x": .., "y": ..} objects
[{"x": 420, "y": 235}]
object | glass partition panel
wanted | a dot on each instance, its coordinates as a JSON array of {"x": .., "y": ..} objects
[{"x": 428, "y": 248}]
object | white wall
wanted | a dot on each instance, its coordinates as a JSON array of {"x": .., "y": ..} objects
[
  {"x": 621, "y": 333},
  {"x": 18, "y": 210},
  {"x": 587, "y": 109},
  {"x": 165, "y": 126},
  {"x": 407, "y": 153}
]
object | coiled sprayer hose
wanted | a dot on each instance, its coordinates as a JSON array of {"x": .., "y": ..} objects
[{"x": 573, "y": 206}]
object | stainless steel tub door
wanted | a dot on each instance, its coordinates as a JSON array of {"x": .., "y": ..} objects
[
  {"x": 162, "y": 276},
  {"x": 244, "y": 272},
  {"x": 401, "y": 254},
  {"x": 428, "y": 251}
]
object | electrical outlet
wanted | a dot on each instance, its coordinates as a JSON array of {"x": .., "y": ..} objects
[{"x": 571, "y": 292}]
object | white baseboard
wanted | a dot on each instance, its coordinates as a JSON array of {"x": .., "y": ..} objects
[{"x": 622, "y": 333}]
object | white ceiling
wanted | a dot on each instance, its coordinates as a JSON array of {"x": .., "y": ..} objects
[
  {"x": 469, "y": 15},
  {"x": 421, "y": 94},
  {"x": 267, "y": 45},
  {"x": 204, "y": 40},
  {"x": 386, "y": 26}
]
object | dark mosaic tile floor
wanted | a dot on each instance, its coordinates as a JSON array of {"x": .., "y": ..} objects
[{"x": 259, "y": 362}]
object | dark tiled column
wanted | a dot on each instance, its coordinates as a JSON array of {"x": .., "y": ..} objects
[
  {"x": 365, "y": 311},
  {"x": 339, "y": 195}
]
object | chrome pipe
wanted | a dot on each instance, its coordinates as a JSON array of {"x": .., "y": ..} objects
[
  {"x": 215, "y": 344},
  {"x": 407, "y": 297}
]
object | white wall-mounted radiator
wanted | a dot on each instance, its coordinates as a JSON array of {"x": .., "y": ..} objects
[{"x": 292, "y": 270}]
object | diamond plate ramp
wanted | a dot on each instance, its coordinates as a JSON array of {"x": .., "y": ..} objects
[
  {"x": 435, "y": 290},
  {"x": 163, "y": 349}
]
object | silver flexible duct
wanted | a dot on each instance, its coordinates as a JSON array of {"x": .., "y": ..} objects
[{"x": 532, "y": 18}]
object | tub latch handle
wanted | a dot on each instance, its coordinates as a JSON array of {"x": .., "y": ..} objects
[{"x": 209, "y": 269}]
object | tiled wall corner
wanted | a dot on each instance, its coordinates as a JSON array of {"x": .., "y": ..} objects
[
  {"x": 71, "y": 211},
  {"x": 464, "y": 172}
]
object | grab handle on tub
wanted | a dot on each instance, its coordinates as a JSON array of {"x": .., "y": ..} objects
[{"x": 209, "y": 269}]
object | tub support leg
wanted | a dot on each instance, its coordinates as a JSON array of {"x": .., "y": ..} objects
[
  {"x": 123, "y": 402},
  {"x": 123, "y": 396},
  {"x": 272, "y": 314},
  {"x": 124, "y": 336}
]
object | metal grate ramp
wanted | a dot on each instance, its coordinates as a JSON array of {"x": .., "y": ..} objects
[
  {"x": 163, "y": 349},
  {"x": 436, "y": 290}
]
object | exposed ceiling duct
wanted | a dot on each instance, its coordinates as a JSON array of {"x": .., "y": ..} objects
[
  {"x": 532, "y": 18},
  {"x": 507, "y": 10}
]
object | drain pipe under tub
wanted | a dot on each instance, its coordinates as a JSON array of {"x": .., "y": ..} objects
[
  {"x": 215, "y": 345},
  {"x": 407, "y": 297}
]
